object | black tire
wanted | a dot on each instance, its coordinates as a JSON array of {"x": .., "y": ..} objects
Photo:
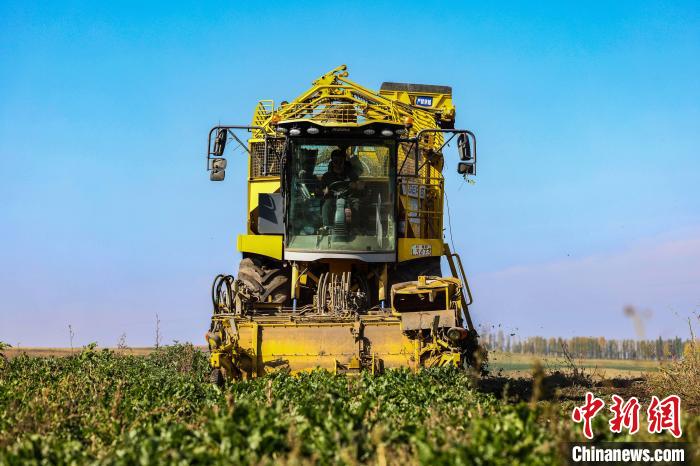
[
  {"x": 411, "y": 270},
  {"x": 216, "y": 377},
  {"x": 266, "y": 278}
]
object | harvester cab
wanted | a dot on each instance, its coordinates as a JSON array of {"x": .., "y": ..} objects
[{"x": 341, "y": 255}]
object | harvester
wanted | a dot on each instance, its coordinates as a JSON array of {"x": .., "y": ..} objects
[{"x": 341, "y": 259}]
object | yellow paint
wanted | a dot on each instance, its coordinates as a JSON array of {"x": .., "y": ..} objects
[
  {"x": 442, "y": 102},
  {"x": 266, "y": 344},
  {"x": 295, "y": 280},
  {"x": 383, "y": 283},
  {"x": 255, "y": 347},
  {"x": 304, "y": 346},
  {"x": 265, "y": 245},
  {"x": 258, "y": 186}
]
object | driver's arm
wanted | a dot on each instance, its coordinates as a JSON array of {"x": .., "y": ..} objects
[{"x": 355, "y": 182}]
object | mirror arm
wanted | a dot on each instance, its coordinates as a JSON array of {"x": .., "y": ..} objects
[
  {"x": 447, "y": 142},
  {"x": 242, "y": 144},
  {"x": 454, "y": 132},
  {"x": 229, "y": 129}
]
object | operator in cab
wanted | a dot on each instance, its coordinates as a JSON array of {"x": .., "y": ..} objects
[{"x": 339, "y": 182}]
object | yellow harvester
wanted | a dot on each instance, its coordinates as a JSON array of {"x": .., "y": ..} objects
[{"x": 341, "y": 257}]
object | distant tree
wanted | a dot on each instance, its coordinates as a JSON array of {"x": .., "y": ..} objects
[{"x": 500, "y": 341}]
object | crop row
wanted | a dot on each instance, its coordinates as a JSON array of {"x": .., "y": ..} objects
[{"x": 104, "y": 408}]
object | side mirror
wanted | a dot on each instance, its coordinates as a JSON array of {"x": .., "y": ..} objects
[
  {"x": 464, "y": 147},
  {"x": 218, "y": 164},
  {"x": 218, "y": 169},
  {"x": 217, "y": 174},
  {"x": 220, "y": 142},
  {"x": 466, "y": 168}
]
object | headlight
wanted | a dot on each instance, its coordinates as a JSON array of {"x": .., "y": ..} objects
[{"x": 456, "y": 334}]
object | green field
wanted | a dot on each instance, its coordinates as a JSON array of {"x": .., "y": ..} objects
[
  {"x": 49, "y": 352},
  {"x": 101, "y": 407},
  {"x": 511, "y": 364}
]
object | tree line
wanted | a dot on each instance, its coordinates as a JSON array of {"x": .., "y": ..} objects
[{"x": 586, "y": 347}]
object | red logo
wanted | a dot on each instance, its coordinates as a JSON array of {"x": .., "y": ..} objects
[
  {"x": 625, "y": 415},
  {"x": 661, "y": 415},
  {"x": 665, "y": 415},
  {"x": 587, "y": 412}
]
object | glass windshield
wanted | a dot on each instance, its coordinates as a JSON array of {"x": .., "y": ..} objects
[{"x": 342, "y": 197}]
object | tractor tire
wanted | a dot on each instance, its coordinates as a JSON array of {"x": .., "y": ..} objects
[
  {"x": 411, "y": 270},
  {"x": 266, "y": 278},
  {"x": 216, "y": 377}
]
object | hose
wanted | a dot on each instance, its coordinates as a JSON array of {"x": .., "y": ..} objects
[{"x": 222, "y": 293}]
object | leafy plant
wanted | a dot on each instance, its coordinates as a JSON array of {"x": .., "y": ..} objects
[
  {"x": 681, "y": 376},
  {"x": 102, "y": 407}
]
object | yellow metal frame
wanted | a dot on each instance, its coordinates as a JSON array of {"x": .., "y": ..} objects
[
  {"x": 335, "y": 100},
  {"x": 262, "y": 346},
  {"x": 266, "y": 245},
  {"x": 253, "y": 346}
]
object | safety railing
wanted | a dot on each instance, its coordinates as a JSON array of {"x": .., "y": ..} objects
[
  {"x": 266, "y": 157},
  {"x": 261, "y": 117},
  {"x": 336, "y": 111},
  {"x": 421, "y": 204}
]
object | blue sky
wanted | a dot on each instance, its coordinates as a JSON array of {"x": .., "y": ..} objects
[{"x": 587, "y": 115}]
